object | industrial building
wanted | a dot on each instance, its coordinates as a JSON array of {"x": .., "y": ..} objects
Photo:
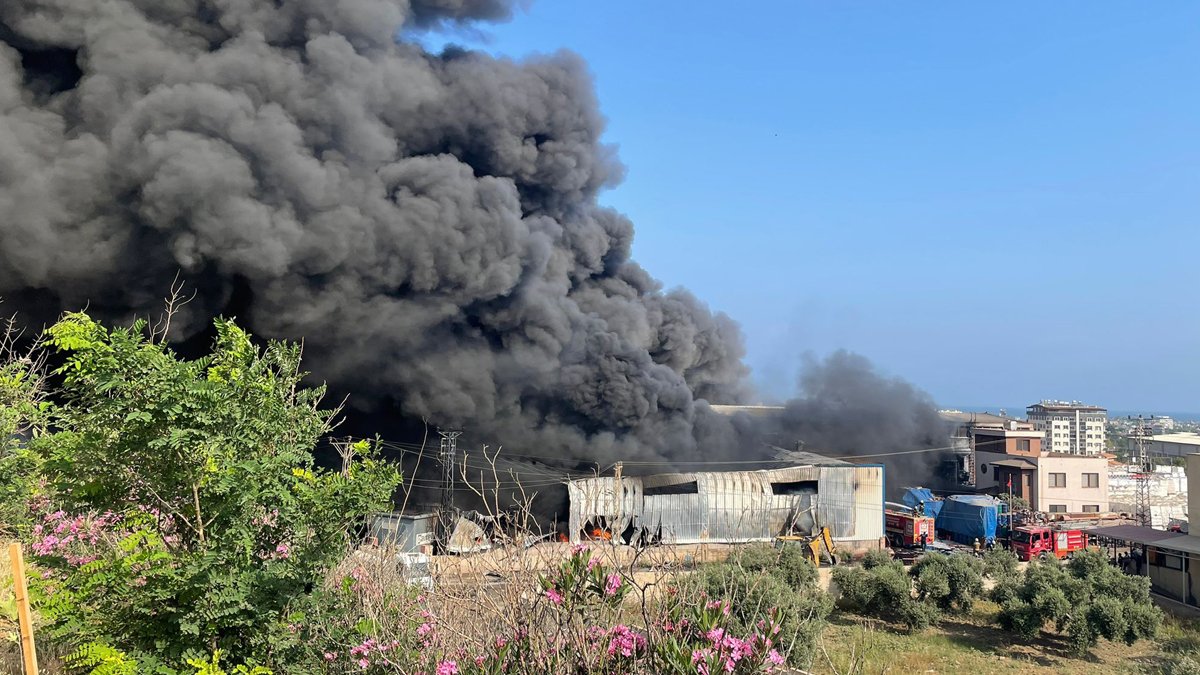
[
  {"x": 1170, "y": 559},
  {"x": 734, "y": 506},
  {"x": 1172, "y": 445}
]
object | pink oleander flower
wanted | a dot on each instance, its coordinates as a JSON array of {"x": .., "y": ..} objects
[
  {"x": 554, "y": 596},
  {"x": 775, "y": 658},
  {"x": 715, "y": 635},
  {"x": 424, "y": 629},
  {"x": 625, "y": 640},
  {"x": 592, "y": 564},
  {"x": 578, "y": 548},
  {"x": 329, "y": 656},
  {"x": 447, "y": 668},
  {"x": 363, "y": 663},
  {"x": 282, "y": 550},
  {"x": 612, "y": 584}
]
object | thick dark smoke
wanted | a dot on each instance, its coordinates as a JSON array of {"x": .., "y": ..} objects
[
  {"x": 427, "y": 223},
  {"x": 848, "y": 409}
]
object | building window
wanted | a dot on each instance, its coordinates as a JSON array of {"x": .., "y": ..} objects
[
  {"x": 1058, "y": 508},
  {"x": 1168, "y": 560},
  {"x": 1058, "y": 480},
  {"x": 1091, "y": 480},
  {"x": 1091, "y": 508},
  {"x": 1023, "y": 444}
]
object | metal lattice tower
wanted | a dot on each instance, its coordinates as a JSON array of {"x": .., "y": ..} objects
[
  {"x": 1143, "y": 472},
  {"x": 447, "y": 452}
]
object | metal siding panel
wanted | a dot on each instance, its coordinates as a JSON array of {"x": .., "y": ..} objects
[
  {"x": 738, "y": 506},
  {"x": 596, "y": 499},
  {"x": 868, "y": 502},
  {"x": 835, "y": 501}
]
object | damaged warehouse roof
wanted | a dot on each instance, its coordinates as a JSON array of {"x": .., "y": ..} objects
[{"x": 734, "y": 506}]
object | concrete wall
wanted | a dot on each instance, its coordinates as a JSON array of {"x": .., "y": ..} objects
[
  {"x": 1193, "y": 480},
  {"x": 1074, "y": 496}
]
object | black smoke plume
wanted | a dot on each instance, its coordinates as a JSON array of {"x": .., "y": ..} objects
[{"x": 427, "y": 222}]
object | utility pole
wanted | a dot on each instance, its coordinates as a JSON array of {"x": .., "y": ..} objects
[
  {"x": 1143, "y": 471},
  {"x": 619, "y": 493},
  {"x": 447, "y": 453}
]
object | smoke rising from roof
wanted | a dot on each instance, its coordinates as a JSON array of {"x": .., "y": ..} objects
[{"x": 427, "y": 223}]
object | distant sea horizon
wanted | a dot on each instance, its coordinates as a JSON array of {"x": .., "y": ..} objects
[{"x": 1019, "y": 411}]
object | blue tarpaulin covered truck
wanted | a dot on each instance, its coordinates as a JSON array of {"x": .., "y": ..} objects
[
  {"x": 965, "y": 518},
  {"x": 919, "y": 496}
]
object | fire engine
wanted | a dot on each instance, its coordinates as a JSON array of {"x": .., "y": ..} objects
[
  {"x": 904, "y": 530},
  {"x": 1031, "y": 541}
]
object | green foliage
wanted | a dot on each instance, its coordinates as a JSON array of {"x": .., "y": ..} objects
[
  {"x": 884, "y": 590},
  {"x": 875, "y": 558},
  {"x": 1015, "y": 502},
  {"x": 101, "y": 659},
  {"x": 999, "y": 563},
  {"x": 951, "y": 582},
  {"x": 23, "y": 415},
  {"x": 788, "y": 563},
  {"x": 1087, "y": 599},
  {"x": 801, "y": 611},
  {"x": 213, "y": 667},
  {"x": 223, "y": 519}
]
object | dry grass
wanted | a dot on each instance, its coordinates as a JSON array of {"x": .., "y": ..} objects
[{"x": 973, "y": 644}]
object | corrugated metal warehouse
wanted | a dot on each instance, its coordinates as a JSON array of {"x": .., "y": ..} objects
[{"x": 735, "y": 506}]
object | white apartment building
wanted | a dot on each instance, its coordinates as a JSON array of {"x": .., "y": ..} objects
[{"x": 1071, "y": 428}]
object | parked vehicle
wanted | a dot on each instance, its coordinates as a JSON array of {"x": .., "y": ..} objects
[
  {"x": 1031, "y": 542},
  {"x": 965, "y": 518},
  {"x": 904, "y": 530}
]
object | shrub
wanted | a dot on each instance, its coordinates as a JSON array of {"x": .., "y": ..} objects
[
  {"x": 999, "y": 563},
  {"x": 1087, "y": 599},
  {"x": 800, "y": 612},
  {"x": 875, "y": 558},
  {"x": 884, "y": 591},
  {"x": 951, "y": 582},
  {"x": 192, "y": 514},
  {"x": 788, "y": 563}
]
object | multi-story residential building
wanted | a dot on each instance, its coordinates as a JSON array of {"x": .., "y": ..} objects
[
  {"x": 1070, "y": 428},
  {"x": 1053, "y": 482}
]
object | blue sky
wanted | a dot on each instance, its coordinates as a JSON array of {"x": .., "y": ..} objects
[{"x": 996, "y": 202}]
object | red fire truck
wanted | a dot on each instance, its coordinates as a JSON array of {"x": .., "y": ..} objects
[
  {"x": 1031, "y": 541},
  {"x": 904, "y": 530}
]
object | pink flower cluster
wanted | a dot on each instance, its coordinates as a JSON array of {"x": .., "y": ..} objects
[
  {"x": 612, "y": 584},
  {"x": 71, "y": 537},
  {"x": 727, "y": 651},
  {"x": 625, "y": 641},
  {"x": 370, "y": 648}
]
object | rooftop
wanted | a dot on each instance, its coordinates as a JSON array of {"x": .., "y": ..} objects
[
  {"x": 747, "y": 409},
  {"x": 977, "y": 418},
  {"x": 1182, "y": 438},
  {"x": 1067, "y": 406}
]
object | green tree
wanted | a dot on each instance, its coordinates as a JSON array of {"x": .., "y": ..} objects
[
  {"x": 951, "y": 582},
  {"x": 205, "y": 521},
  {"x": 23, "y": 415},
  {"x": 883, "y": 590},
  {"x": 1086, "y": 600}
]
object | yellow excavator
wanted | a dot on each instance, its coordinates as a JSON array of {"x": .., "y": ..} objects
[{"x": 812, "y": 545}]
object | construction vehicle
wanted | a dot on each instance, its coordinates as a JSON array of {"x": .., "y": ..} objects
[
  {"x": 812, "y": 545},
  {"x": 905, "y": 528},
  {"x": 1032, "y": 541}
]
